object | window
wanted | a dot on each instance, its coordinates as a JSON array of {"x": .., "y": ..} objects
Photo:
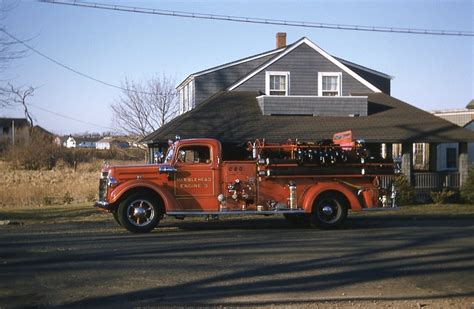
[
  {"x": 276, "y": 83},
  {"x": 329, "y": 84},
  {"x": 451, "y": 155},
  {"x": 186, "y": 98},
  {"x": 421, "y": 156},
  {"x": 194, "y": 155}
]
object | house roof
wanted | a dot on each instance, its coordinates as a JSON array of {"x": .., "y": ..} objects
[
  {"x": 235, "y": 117},
  {"x": 361, "y": 67},
  {"x": 43, "y": 130},
  {"x": 470, "y": 105},
  {"x": 230, "y": 64},
  {"x": 19, "y": 122},
  {"x": 278, "y": 53},
  {"x": 318, "y": 49}
]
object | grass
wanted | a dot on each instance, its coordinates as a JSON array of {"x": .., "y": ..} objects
[
  {"x": 60, "y": 185},
  {"x": 424, "y": 209},
  {"x": 81, "y": 212},
  {"x": 85, "y": 212}
]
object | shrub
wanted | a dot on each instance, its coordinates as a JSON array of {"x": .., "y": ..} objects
[
  {"x": 441, "y": 197},
  {"x": 48, "y": 200},
  {"x": 91, "y": 196},
  {"x": 405, "y": 191},
  {"x": 467, "y": 189},
  {"x": 67, "y": 198},
  {"x": 36, "y": 151}
]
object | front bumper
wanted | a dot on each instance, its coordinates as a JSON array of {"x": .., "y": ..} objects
[{"x": 103, "y": 205}]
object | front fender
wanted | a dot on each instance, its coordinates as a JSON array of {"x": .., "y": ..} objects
[
  {"x": 168, "y": 199},
  {"x": 312, "y": 194}
]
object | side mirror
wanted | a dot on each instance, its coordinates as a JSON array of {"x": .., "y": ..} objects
[{"x": 168, "y": 169}]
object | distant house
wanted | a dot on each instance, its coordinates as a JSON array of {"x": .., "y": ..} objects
[
  {"x": 109, "y": 142},
  {"x": 104, "y": 143},
  {"x": 301, "y": 91},
  {"x": 10, "y": 128},
  {"x": 70, "y": 142},
  {"x": 83, "y": 142},
  {"x": 447, "y": 153}
]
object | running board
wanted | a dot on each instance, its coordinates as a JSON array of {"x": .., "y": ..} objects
[{"x": 234, "y": 212}]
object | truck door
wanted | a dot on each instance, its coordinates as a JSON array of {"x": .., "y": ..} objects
[{"x": 195, "y": 180}]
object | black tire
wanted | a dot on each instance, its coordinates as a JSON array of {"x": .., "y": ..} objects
[
  {"x": 116, "y": 218},
  {"x": 297, "y": 219},
  {"x": 140, "y": 213},
  {"x": 329, "y": 211}
]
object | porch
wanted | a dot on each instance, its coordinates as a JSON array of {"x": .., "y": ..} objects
[{"x": 428, "y": 167}]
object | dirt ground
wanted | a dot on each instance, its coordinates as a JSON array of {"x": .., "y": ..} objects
[{"x": 74, "y": 257}]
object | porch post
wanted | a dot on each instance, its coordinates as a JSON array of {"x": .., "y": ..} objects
[
  {"x": 389, "y": 150},
  {"x": 433, "y": 157},
  {"x": 463, "y": 163},
  {"x": 407, "y": 161}
]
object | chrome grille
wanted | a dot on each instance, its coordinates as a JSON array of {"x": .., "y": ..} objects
[{"x": 103, "y": 189}]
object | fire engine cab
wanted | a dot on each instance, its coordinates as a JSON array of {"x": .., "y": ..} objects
[{"x": 307, "y": 182}]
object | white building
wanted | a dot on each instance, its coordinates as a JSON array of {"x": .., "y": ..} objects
[
  {"x": 447, "y": 154},
  {"x": 70, "y": 142}
]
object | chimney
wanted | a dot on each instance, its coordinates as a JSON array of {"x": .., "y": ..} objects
[{"x": 281, "y": 39}]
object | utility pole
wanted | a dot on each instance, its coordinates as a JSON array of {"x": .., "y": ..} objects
[{"x": 13, "y": 132}]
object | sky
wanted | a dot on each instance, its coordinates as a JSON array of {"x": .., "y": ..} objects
[{"x": 430, "y": 72}]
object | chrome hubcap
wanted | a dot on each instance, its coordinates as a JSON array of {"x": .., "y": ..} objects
[
  {"x": 327, "y": 210},
  {"x": 140, "y": 212}
]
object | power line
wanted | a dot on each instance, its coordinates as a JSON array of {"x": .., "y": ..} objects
[
  {"x": 71, "y": 69},
  {"x": 254, "y": 20},
  {"x": 70, "y": 118}
]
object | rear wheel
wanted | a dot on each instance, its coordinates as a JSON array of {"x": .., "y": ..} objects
[
  {"x": 329, "y": 211},
  {"x": 140, "y": 213}
]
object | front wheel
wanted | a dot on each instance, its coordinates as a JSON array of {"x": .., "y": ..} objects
[
  {"x": 139, "y": 213},
  {"x": 116, "y": 218},
  {"x": 329, "y": 211}
]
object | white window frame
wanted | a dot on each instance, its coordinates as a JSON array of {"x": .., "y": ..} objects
[
  {"x": 181, "y": 101},
  {"x": 277, "y": 73},
  {"x": 191, "y": 96},
  {"x": 320, "y": 82}
]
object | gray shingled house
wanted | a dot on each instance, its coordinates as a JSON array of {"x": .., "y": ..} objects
[{"x": 301, "y": 91}]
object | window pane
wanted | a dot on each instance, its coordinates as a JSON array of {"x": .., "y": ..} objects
[
  {"x": 451, "y": 157},
  {"x": 330, "y": 83},
  {"x": 277, "y": 82},
  {"x": 194, "y": 154}
]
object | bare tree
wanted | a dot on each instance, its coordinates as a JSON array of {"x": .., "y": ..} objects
[
  {"x": 144, "y": 107},
  {"x": 10, "y": 50},
  {"x": 19, "y": 96}
]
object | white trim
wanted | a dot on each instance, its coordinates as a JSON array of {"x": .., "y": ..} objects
[
  {"x": 361, "y": 67},
  {"x": 277, "y": 73},
  {"x": 228, "y": 65},
  {"x": 316, "y": 48},
  {"x": 320, "y": 82},
  {"x": 315, "y": 96}
]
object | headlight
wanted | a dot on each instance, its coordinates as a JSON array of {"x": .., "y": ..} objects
[{"x": 111, "y": 181}]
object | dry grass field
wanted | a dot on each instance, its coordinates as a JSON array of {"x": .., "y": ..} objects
[{"x": 61, "y": 185}]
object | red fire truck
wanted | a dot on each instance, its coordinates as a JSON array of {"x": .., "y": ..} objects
[{"x": 307, "y": 182}]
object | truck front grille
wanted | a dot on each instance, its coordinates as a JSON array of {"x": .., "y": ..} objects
[{"x": 102, "y": 189}]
